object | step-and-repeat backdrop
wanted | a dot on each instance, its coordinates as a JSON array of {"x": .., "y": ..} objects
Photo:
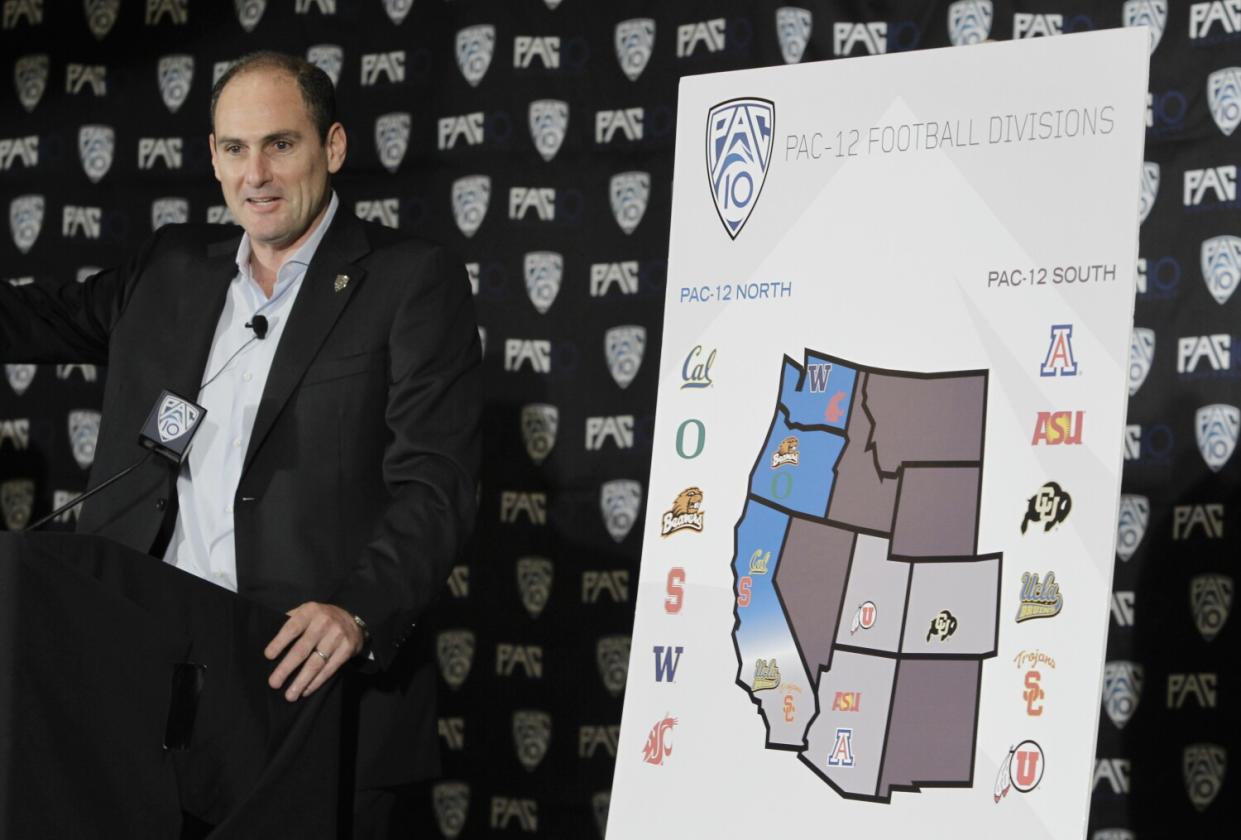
[{"x": 535, "y": 138}]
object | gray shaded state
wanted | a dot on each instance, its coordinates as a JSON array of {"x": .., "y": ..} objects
[
  {"x": 861, "y": 497},
  {"x": 795, "y": 681},
  {"x": 931, "y": 736},
  {"x": 936, "y": 512},
  {"x": 939, "y": 419},
  {"x": 968, "y": 590},
  {"x": 872, "y": 676},
  {"x": 811, "y": 580},
  {"x": 874, "y": 578}
]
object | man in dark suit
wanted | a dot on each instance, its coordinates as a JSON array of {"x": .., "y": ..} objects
[{"x": 334, "y": 476}]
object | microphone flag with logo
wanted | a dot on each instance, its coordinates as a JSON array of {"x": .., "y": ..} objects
[{"x": 171, "y": 425}]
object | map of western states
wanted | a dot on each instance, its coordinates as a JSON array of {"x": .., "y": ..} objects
[{"x": 863, "y": 610}]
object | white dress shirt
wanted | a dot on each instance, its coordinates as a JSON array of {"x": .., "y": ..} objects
[{"x": 202, "y": 542}]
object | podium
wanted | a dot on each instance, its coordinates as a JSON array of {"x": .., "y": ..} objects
[{"x": 93, "y": 636}]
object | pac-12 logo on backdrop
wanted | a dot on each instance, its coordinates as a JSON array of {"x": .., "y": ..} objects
[
  {"x": 740, "y": 133},
  {"x": 1224, "y": 98}
]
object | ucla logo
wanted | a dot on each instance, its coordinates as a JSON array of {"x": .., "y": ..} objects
[
  {"x": 328, "y": 58},
  {"x": 249, "y": 12},
  {"x": 1152, "y": 14},
  {"x": 451, "y": 801},
  {"x": 470, "y": 196},
  {"x": 454, "y": 649},
  {"x": 969, "y": 21},
  {"x": 176, "y": 418},
  {"x": 392, "y": 139},
  {"x": 1224, "y": 98},
  {"x": 30, "y": 76},
  {"x": 1215, "y": 427},
  {"x": 101, "y": 16},
  {"x": 1135, "y": 513},
  {"x": 534, "y": 581},
  {"x": 629, "y": 192},
  {"x": 793, "y": 27},
  {"x": 696, "y": 371},
  {"x": 1059, "y": 360},
  {"x": 624, "y": 347},
  {"x": 532, "y": 730},
  {"x": 612, "y": 657},
  {"x": 1210, "y": 600},
  {"x": 475, "y": 46},
  {"x": 619, "y": 500},
  {"x": 169, "y": 211},
  {"x": 739, "y": 138},
  {"x": 25, "y": 220},
  {"x": 20, "y": 377},
  {"x": 635, "y": 41},
  {"x": 397, "y": 10},
  {"x": 17, "y": 502},
  {"x": 1038, "y": 599},
  {"x": 543, "y": 272},
  {"x": 175, "y": 74},
  {"x": 539, "y": 422},
  {"x": 1122, "y": 686},
  {"x": 1141, "y": 356},
  {"x": 96, "y": 144},
  {"x": 1148, "y": 191},
  {"x": 1204, "y": 766},
  {"x": 1221, "y": 266},
  {"x": 549, "y": 119}
]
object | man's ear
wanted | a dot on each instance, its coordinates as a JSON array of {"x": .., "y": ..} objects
[
  {"x": 215, "y": 161},
  {"x": 337, "y": 145}
]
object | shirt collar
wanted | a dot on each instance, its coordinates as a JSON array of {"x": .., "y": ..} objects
[{"x": 294, "y": 265}]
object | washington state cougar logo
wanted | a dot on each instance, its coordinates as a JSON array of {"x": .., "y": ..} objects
[
  {"x": 685, "y": 513},
  {"x": 739, "y": 137},
  {"x": 635, "y": 41},
  {"x": 659, "y": 743},
  {"x": 30, "y": 76}
]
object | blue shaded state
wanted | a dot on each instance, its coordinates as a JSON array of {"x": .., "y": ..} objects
[
  {"x": 804, "y": 486},
  {"x": 824, "y": 396},
  {"x": 760, "y": 539}
]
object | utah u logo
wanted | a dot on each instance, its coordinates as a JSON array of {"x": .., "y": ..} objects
[{"x": 1059, "y": 360}]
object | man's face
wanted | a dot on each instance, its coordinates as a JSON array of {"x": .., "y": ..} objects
[{"x": 269, "y": 159}]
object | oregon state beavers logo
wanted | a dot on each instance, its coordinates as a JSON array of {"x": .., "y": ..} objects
[
  {"x": 786, "y": 453},
  {"x": 685, "y": 513}
]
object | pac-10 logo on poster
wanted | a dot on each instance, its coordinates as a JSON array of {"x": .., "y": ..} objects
[{"x": 739, "y": 138}]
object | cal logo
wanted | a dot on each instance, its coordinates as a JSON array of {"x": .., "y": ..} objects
[
  {"x": 386, "y": 211},
  {"x": 1206, "y": 521},
  {"x": 627, "y": 122},
  {"x": 546, "y": 48},
  {"x": 1148, "y": 189},
  {"x": 1202, "y": 688},
  {"x": 1204, "y": 766},
  {"x": 30, "y": 76},
  {"x": 1221, "y": 266},
  {"x": 92, "y": 76},
  {"x": 507, "y": 811},
  {"x": 388, "y": 65},
  {"x": 475, "y": 46},
  {"x": 16, "y": 11},
  {"x": 1135, "y": 513},
  {"x": 696, "y": 370},
  {"x": 1224, "y": 97},
  {"x": 629, "y": 193},
  {"x": 667, "y": 658},
  {"x": 591, "y": 738},
  {"x": 615, "y": 583},
  {"x": 847, "y": 36},
  {"x": 634, "y": 40},
  {"x": 1218, "y": 182},
  {"x": 612, "y": 659},
  {"x": 84, "y": 221},
  {"x": 739, "y": 138},
  {"x": 175, "y": 11},
  {"x": 528, "y": 657},
  {"x": 1059, "y": 360},
  {"x": 707, "y": 33},
  {"x": 619, "y": 275},
  {"x": 26, "y": 220},
  {"x": 542, "y": 200},
  {"x": 616, "y": 428},
  {"x": 1122, "y": 687},
  {"x": 1054, "y": 428},
  {"x": 532, "y": 505},
  {"x": 20, "y": 150},
  {"x": 1153, "y": 14},
  {"x": 470, "y": 197},
  {"x": 793, "y": 26},
  {"x": 685, "y": 514},
  {"x": 1214, "y": 20},
  {"x": 175, "y": 74},
  {"x": 1027, "y": 25},
  {"x": 537, "y": 353},
  {"x": 1141, "y": 357},
  {"x": 454, "y": 649},
  {"x": 969, "y": 21},
  {"x": 658, "y": 744},
  {"x": 549, "y": 121},
  {"x": 619, "y": 502},
  {"x": 1215, "y": 427},
  {"x": 1048, "y": 507},
  {"x": 1039, "y": 599},
  {"x": 164, "y": 149},
  {"x": 1210, "y": 600},
  {"x": 847, "y": 701},
  {"x": 842, "y": 748}
]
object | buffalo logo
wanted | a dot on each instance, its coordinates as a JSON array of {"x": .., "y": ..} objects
[
  {"x": 1215, "y": 427},
  {"x": 1204, "y": 766},
  {"x": 328, "y": 58},
  {"x": 101, "y": 16},
  {"x": 1141, "y": 356},
  {"x": 620, "y": 500},
  {"x": 1210, "y": 599},
  {"x": 544, "y": 270},
  {"x": 864, "y": 618},
  {"x": 599, "y": 805},
  {"x": 943, "y": 625},
  {"x": 549, "y": 119},
  {"x": 659, "y": 742},
  {"x": 451, "y": 801},
  {"x": 84, "y": 434},
  {"x": 1135, "y": 512},
  {"x": 969, "y": 21},
  {"x": 392, "y": 139},
  {"x": 534, "y": 581},
  {"x": 20, "y": 377},
  {"x": 612, "y": 657},
  {"x": 30, "y": 76},
  {"x": 739, "y": 138},
  {"x": 635, "y": 41},
  {"x": 455, "y": 651},
  {"x": 169, "y": 211},
  {"x": 1048, "y": 507},
  {"x": 397, "y": 10},
  {"x": 1148, "y": 190},
  {"x": 96, "y": 144},
  {"x": 1020, "y": 770},
  {"x": 1221, "y": 266},
  {"x": 470, "y": 196},
  {"x": 475, "y": 45},
  {"x": 1224, "y": 97},
  {"x": 539, "y": 422},
  {"x": 793, "y": 31},
  {"x": 624, "y": 347},
  {"x": 176, "y": 418},
  {"x": 25, "y": 220},
  {"x": 1039, "y": 599},
  {"x": 685, "y": 513},
  {"x": 629, "y": 192},
  {"x": 17, "y": 502},
  {"x": 1122, "y": 686},
  {"x": 532, "y": 730},
  {"x": 249, "y": 12},
  {"x": 176, "y": 74},
  {"x": 786, "y": 453},
  {"x": 1152, "y": 14}
]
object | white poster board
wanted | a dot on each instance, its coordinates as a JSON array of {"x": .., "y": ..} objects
[{"x": 874, "y": 593}]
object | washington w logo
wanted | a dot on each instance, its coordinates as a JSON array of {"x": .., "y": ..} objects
[{"x": 739, "y": 137}]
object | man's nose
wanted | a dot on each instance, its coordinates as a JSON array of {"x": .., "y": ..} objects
[{"x": 258, "y": 172}]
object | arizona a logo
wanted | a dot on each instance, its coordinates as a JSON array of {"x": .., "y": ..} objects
[
  {"x": 969, "y": 21},
  {"x": 1204, "y": 766},
  {"x": 620, "y": 500},
  {"x": 1141, "y": 355},
  {"x": 543, "y": 272},
  {"x": 249, "y": 12},
  {"x": 30, "y": 76},
  {"x": 455, "y": 651},
  {"x": 475, "y": 45},
  {"x": 25, "y": 220},
  {"x": 176, "y": 73},
  {"x": 549, "y": 120},
  {"x": 739, "y": 137},
  {"x": 392, "y": 138},
  {"x": 1135, "y": 512},
  {"x": 1149, "y": 189},
  {"x": 328, "y": 58},
  {"x": 19, "y": 377},
  {"x": 539, "y": 422},
  {"x": 1215, "y": 427},
  {"x": 169, "y": 211},
  {"x": 101, "y": 16},
  {"x": 1221, "y": 266},
  {"x": 17, "y": 502},
  {"x": 451, "y": 801},
  {"x": 1210, "y": 599},
  {"x": 1152, "y": 14},
  {"x": 176, "y": 417},
  {"x": 629, "y": 192},
  {"x": 659, "y": 742},
  {"x": 397, "y": 10},
  {"x": 534, "y": 580},
  {"x": 1122, "y": 685},
  {"x": 793, "y": 30},
  {"x": 635, "y": 41},
  {"x": 624, "y": 347},
  {"x": 1224, "y": 97},
  {"x": 842, "y": 750},
  {"x": 470, "y": 196},
  {"x": 1059, "y": 360},
  {"x": 532, "y": 730},
  {"x": 612, "y": 657}
]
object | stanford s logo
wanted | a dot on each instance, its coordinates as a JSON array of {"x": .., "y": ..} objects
[{"x": 739, "y": 137}]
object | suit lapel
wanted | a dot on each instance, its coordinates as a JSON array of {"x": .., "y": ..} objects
[
  {"x": 318, "y": 305},
  {"x": 200, "y": 300}
]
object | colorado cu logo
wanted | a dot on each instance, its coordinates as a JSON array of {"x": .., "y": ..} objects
[
  {"x": 175, "y": 74},
  {"x": 739, "y": 137},
  {"x": 25, "y": 220},
  {"x": 1152, "y": 14},
  {"x": 1224, "y": 97},
  {"x": 30, "y": 75},
  {"x": 1221, "y": 266},
  {"x": 176, "y": 417},
  {"x": 969, "y": 22},
  {"x": 1149, "y": 189},
  {"x": 1216, "y": 429}
]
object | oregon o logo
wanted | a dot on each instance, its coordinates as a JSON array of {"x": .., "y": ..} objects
[
  {"x": 781, "y": 485},
  {"x": 701, "y": 439}
]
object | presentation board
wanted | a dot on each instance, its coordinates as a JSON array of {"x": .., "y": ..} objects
[{"x": 878, "y": 548}]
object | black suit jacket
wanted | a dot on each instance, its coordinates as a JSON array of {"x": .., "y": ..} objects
[{"x": 358, "y": 487}]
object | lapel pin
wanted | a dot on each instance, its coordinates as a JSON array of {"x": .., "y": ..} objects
[{"x": 342, "y": 280}]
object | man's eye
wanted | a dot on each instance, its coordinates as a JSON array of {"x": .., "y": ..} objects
[
  {"x": 283, "y": 145},
  {"x": 232, "y": 150}
]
